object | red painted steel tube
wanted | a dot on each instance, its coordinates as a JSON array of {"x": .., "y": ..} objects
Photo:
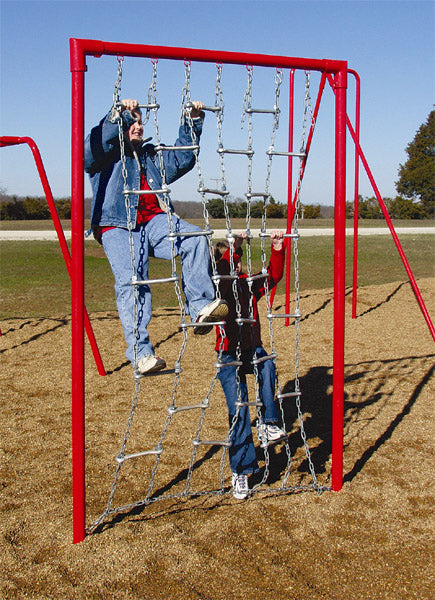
[
  {"x": 356, "y": 193},
  {"x": 82, "y": 47},
  {"x": 12, "y": 141},
  {"x": 394, "y": 234},
  {"x": 77, "y": 307},
  {"x": 340, "y": 84}
]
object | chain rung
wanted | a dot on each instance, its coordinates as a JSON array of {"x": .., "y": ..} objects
[
  {"x": 254, "y": 277},
  {"x": 271, "y": 111},
  {"x": 151, "y": 281},
  {"x": 219, "y": 277},
  {"x": 153, "y": 106},
  {"x": 276, "y": 153},
  {"x": 233, "y": 363},
  {"x": 283, "y": 316},
  {"x": 262, "y": 359},
  {"x": 178, "y": 234},
  {"x": 174, "y": 409},
  {"x": 211, "y": 443},
  {"x": 189, "y": 105},
  {"x": 294, "y": 236},
  {"x": 164, "y": 190},
  {"x": 121, "y": 459},
  {"x": 257, "y": 194},
  {"x": 211, "y": 191},
  {"x": 289, "y": 395},
  {"x": 203, "y": 324},
  {"x": 240, "y": 404},
  {"x": 229, "y": 151},
  {"x": 241, "y": 321},
  {"x": 166, "y": 148}
]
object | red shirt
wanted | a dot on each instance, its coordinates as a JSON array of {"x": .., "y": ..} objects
[
  {"x": 147, "y": 207},
  {"x": 250, "y": 334}
]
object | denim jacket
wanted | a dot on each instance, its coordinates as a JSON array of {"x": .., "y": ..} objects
[{"x": 102, "y": 161}]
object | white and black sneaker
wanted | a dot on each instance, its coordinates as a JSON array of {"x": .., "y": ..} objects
[
  {"x": 211, "y": 313},
  {"x": 149, "y": 364},
  {"x": 268, "y": 433},
  {"x": 240, "y": 486}
]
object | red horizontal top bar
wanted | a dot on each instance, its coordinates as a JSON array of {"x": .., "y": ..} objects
[{"x": 80, "y": 48}]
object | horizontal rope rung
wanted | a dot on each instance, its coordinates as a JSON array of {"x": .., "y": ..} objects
[
  {"x": 276, "y": 153},
  {"x": 177, "y": 234},
  {"x": 151, "y": 281},
  {"x": 229, "y": 151},
  {"x": 164, "y": 190},
  {"x": 262, "y": 359},
  {"x": 120, "y": 459},
  {"x": 289, "y": 395},
  {"x": 174, "y": 409},
  {"x": 211, "y": 443},
  {"x": 211, "y": 191},
  {"x": 233, "y": 363},
  {"x": 283, "y": 316},
  {"x": 165, "y": 148}
]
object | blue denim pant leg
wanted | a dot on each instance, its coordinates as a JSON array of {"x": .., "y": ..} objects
[
  {"x": 242, "y": 454},
  {"x": 266, "y": 383},
  {"x": 195, "y": 260},
  {"x": 117, "y": 248}
]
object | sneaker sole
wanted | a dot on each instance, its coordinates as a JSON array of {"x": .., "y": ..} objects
[{"x": 220, "y": 311}]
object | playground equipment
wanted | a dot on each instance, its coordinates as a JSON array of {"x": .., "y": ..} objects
[{"x": 335, "y": 72}]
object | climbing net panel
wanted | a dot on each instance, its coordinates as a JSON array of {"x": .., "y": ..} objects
[
  {"x": 203, "y": 404},
  {"x": 240, "y": 163}
]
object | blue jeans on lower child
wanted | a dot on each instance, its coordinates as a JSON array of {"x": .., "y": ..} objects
[
  {"x": 242, "y": 454},
  {"x": 152, "y": 239}
]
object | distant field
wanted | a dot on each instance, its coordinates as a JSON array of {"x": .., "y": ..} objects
[
  {"x": 34, "y": 281},
  {"x": 235, "y": 223}
]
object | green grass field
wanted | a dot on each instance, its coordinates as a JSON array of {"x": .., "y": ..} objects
[{"x": 34, "y": 281}]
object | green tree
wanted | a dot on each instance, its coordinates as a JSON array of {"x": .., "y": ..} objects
[
  {"x": 417, "y": 175},
  {"x": 311, "y": 211},
  {"x": 216, "y": 208}
]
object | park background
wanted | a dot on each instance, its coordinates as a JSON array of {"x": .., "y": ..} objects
[{"x": 373, "y": 539}]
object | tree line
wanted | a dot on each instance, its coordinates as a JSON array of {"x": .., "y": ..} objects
[{"x": 415, "y": 186}]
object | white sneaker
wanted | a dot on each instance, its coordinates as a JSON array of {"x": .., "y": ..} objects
[
  {"x": 240, "y": 486},
  {"x": 211, "y": 313},
  {"x": 149, "y": 364},
  {"x": 268, "y": 433}
]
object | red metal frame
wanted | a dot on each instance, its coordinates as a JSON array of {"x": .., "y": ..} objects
[
  {"x": 79, "y": 50},
  {"x": 6, "y": 141}
]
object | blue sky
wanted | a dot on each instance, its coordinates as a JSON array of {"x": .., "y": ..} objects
[{"x": 389, "y": 43}]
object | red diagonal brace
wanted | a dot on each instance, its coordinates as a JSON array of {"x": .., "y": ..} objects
[{"x": 13, "y": 141}]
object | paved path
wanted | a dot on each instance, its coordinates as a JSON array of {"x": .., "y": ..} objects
[{"x": 220, "y": 233}]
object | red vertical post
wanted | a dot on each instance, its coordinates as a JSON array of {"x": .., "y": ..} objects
[
  {"x": 340, "y": 84},
  {"x": 77, "y": 292},
  {"x": 356, "y": 194}
]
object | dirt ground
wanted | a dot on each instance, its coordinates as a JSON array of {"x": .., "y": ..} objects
[{"x": 372, "y": 540}]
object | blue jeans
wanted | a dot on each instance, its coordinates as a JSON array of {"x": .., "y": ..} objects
[
  {"x": 242, "y": 452},
  {"x": 151, "y": 240}
]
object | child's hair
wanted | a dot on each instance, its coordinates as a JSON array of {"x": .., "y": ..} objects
[{"x": 219, "y": 249}]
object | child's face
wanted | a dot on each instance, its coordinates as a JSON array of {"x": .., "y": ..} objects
[{"x": 238, "y": 267}]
